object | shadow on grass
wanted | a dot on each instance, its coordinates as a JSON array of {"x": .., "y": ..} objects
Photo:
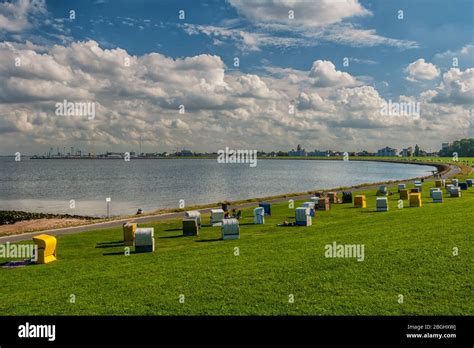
[
  {"x": 119, "y": 253},
  {"x": 208, "y": 240},
  {"x": 178, "y": 236},
  {"x": 109, "y": 244},
  {"x": 173, "y": 229}
]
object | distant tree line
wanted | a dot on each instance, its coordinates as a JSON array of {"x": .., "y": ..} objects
[{"x": 463, "y": 147}]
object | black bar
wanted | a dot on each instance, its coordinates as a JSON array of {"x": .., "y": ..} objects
[{"x": 261, "y": 330}]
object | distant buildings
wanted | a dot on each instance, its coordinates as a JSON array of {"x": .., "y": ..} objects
[
  {"x": 184, "y": 153},
  {"x": 298, "y": 152},
  {"x": 447, "y": 150},
  {"x": 387, "y": 152},
  {"x": 365, "y": 153},
  {"x": 408, "y": 152},
  {"x": 319, "y": 153},
  {"x": 302, "y": 153}
]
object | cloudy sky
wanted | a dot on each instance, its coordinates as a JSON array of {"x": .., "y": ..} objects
[{"x": 311, "y": 72}]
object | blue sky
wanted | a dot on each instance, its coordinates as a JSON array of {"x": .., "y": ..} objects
[
  {"x": 153, "y": 26},
  {"x": 380, "y": 46}
]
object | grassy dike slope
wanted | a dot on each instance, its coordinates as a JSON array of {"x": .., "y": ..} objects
[{"x": 407, "y": 251}]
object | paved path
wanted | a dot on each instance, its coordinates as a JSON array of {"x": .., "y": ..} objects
[{"x": 453, "y": 170}]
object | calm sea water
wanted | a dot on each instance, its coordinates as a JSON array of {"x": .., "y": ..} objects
[{"x": 49, "y": 185}]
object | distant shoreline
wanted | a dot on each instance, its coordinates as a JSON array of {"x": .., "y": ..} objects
[
  {"x": 442, "y": 169},
  {"x": 394, "y": 159}
]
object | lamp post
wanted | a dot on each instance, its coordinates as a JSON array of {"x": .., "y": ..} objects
[{"x": 108, "y": 204}]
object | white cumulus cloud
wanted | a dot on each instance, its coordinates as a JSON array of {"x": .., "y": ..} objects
[
  {"x": 308, "y": 13},
  {"x": 15, "y": 16},
  {"x": 324, "y": 74},
  {"x": 457, "y": 87},
  {"x": 139, "y": 97},
  {"x": 421, "y": 70}
]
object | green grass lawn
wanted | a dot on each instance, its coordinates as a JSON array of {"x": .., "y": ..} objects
[
  {"x": 408, "y": 252},
  {"x": 460, "y": 160}
]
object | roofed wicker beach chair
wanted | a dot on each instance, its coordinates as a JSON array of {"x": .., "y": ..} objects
[
  {"x": 144, "y": 240},
  {"x": 347, "y": 197},
  {"x": 217, "y": 215},
  {"x": 404, "y": 194},
  {"x": 415, "y": 200},
  {"x": 382, "y": 204},
  {"x": 323, "y": 203},
  {"x": 382, "y": 191},
  {"x": 455, "y": 191},
  {"x": 259, "y": 216},
  {"x": 230, "y": 229},
  {"x": 267, "y": 207},
  {"x": 360, "y": 202},
  {"x": 311, "y": 206},
  {"x": 190, "y": 227},
  {"x": 437, "y": 196},
  {"x": 194, "y": 214},
  {"x": 303, "y": 216}
]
